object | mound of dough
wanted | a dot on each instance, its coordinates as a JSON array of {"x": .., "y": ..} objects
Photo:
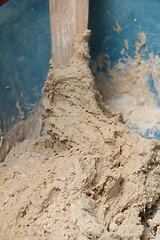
[{"x": 93, "y": 179}]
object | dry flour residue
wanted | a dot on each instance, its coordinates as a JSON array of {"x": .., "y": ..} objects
[
  {"x": 93, "y": 179},
  {"x": 132, "y": 88}
]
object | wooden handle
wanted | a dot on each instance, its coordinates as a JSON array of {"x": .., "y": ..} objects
[
  {"x": 3, "y": 2},
  {"x": 68, "y": 17}
]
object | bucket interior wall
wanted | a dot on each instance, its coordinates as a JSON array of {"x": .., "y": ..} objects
[
  {"x": 113, "y": 21},
  {"x": 24, "y": 56},
  {"x": 125, "y": 49}
]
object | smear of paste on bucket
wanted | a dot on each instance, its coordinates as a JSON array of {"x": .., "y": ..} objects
[
  {"x": 132, "y": 88},
  {"x": 93, "y": 179}
]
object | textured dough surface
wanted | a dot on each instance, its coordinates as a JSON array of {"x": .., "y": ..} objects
[{"x": 93, "y": 179}]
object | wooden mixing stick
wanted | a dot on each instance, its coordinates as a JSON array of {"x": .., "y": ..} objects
[{"x": 67, "y": 17}]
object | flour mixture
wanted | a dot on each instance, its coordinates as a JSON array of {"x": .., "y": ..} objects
[{"x": 92, "y": 179}]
